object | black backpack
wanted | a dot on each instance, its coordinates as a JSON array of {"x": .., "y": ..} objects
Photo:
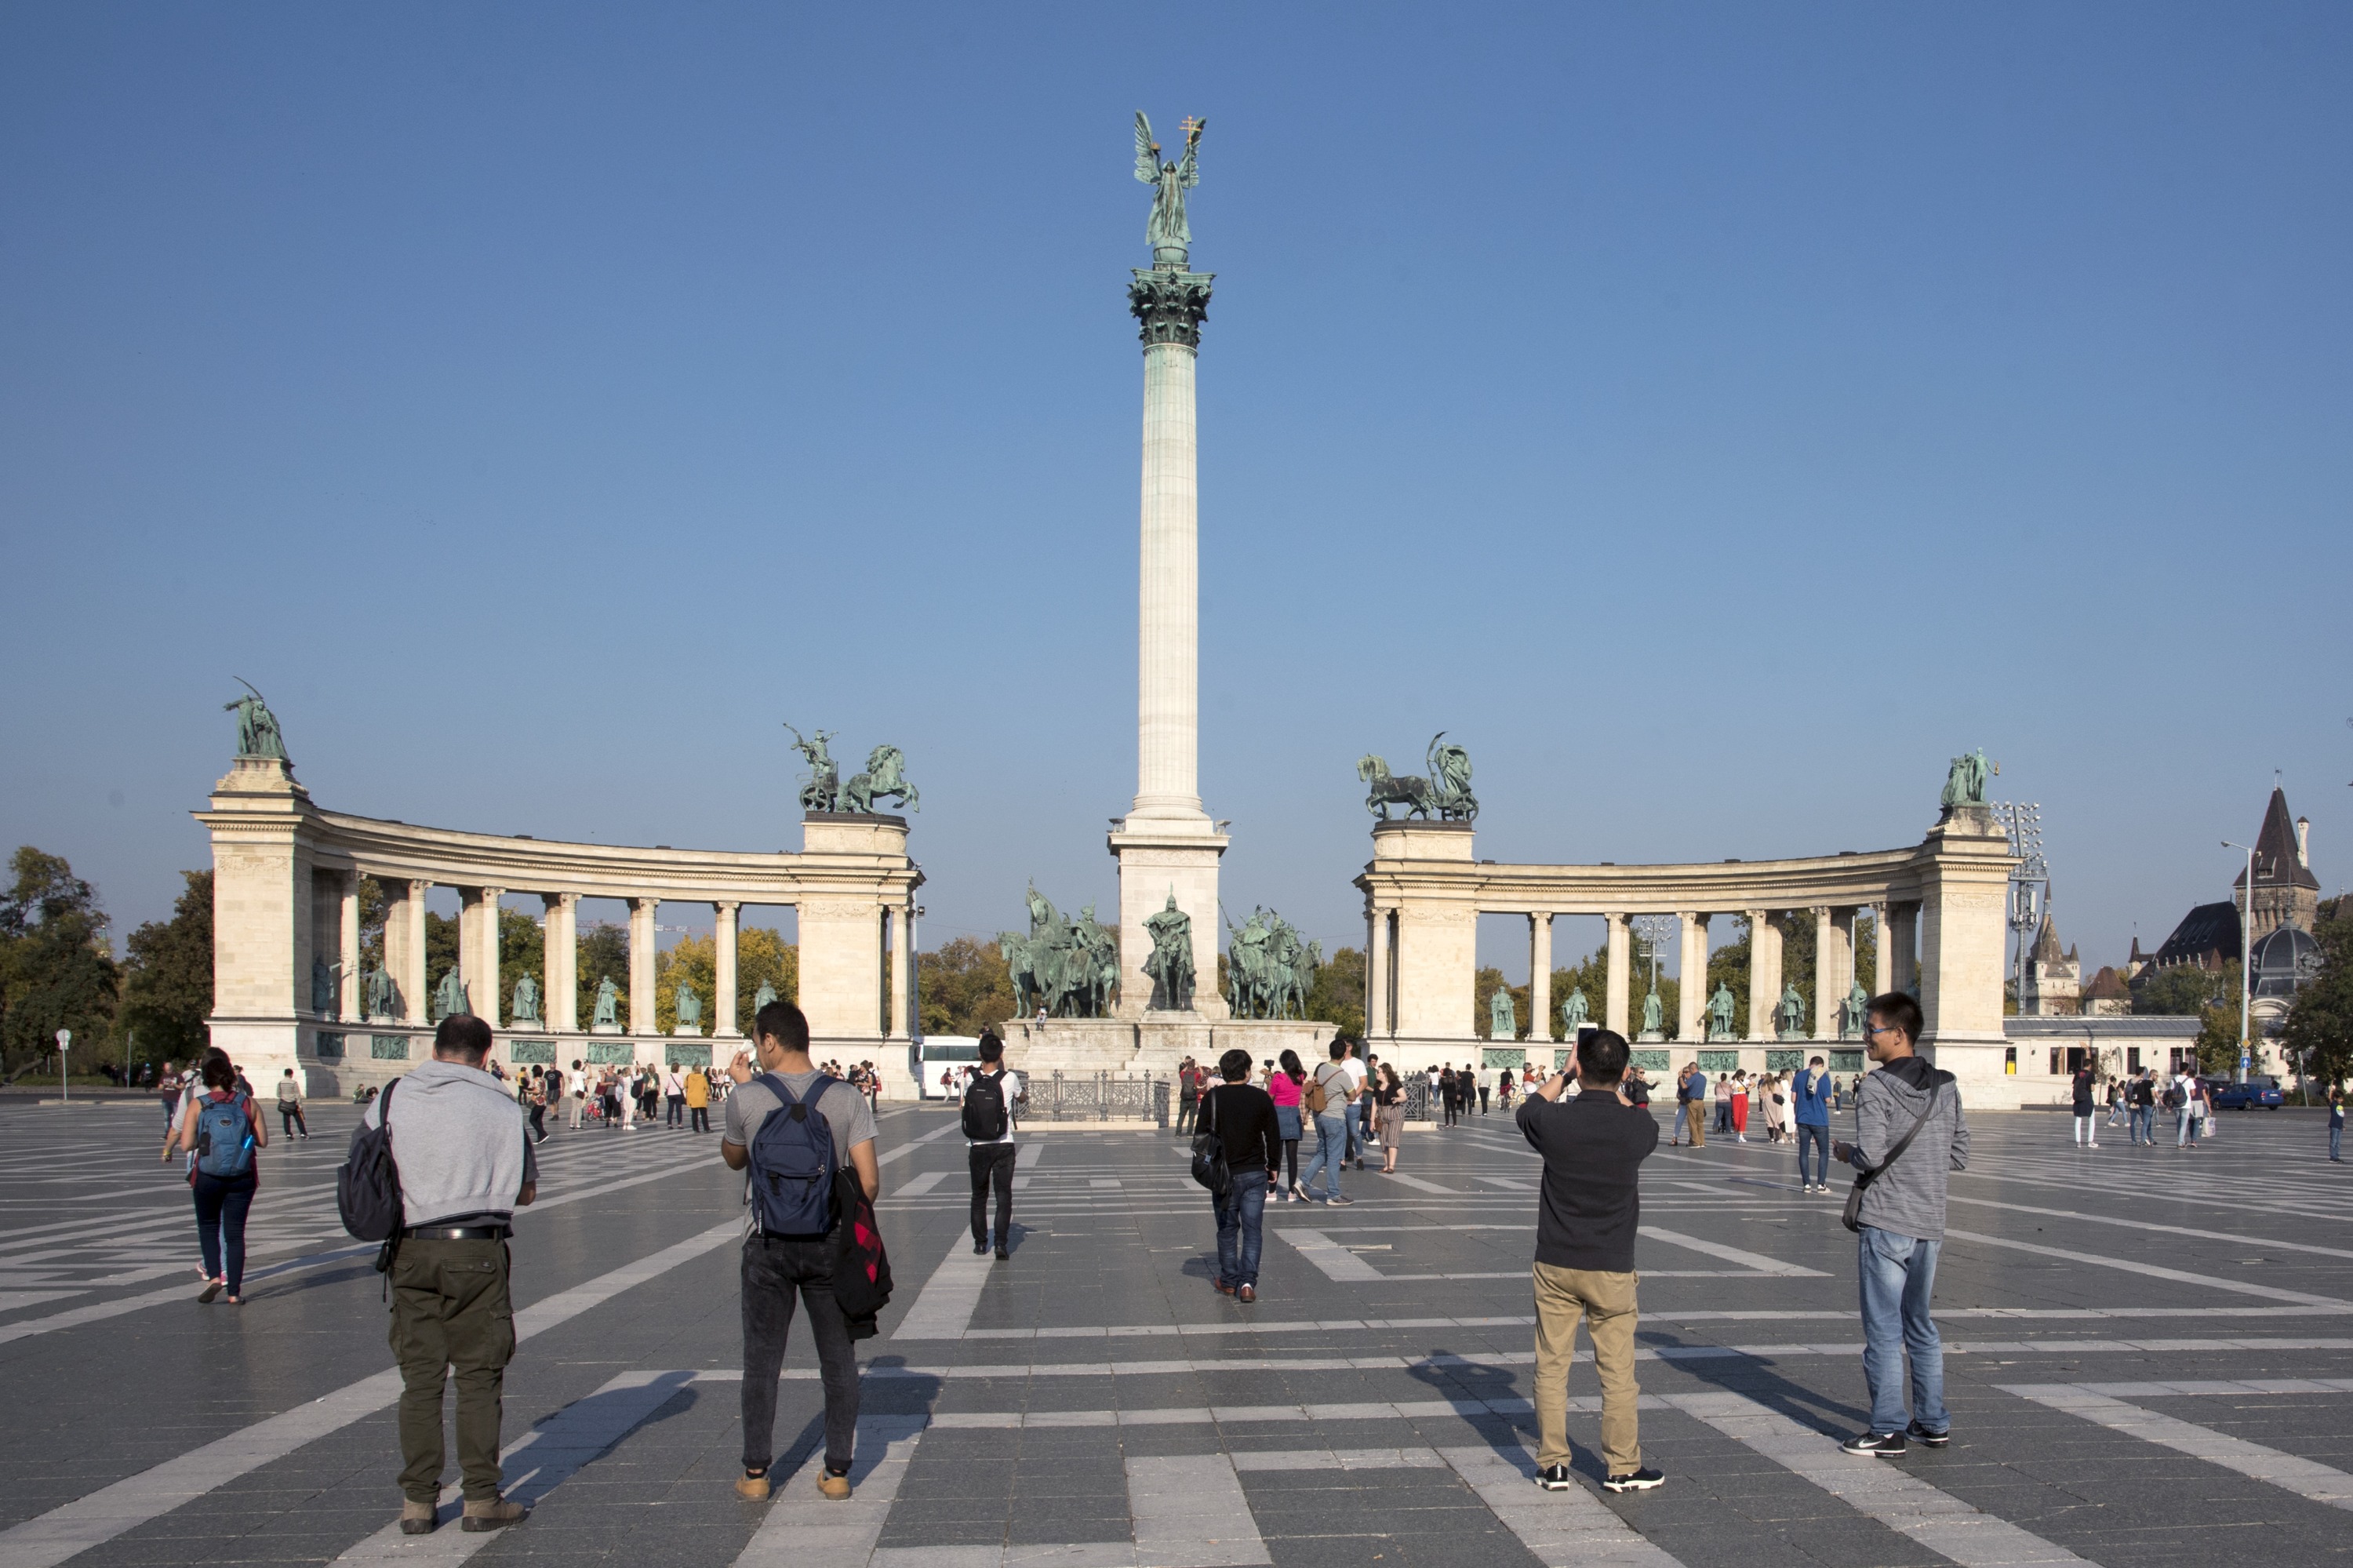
[
  {"x": 367, "y": 1184},
  {"x": 984, "y": 1107}
]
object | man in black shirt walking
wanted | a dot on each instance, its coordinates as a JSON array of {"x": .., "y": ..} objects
[
  {"x": 1593, "y": 1148},
  {"x": 1242, "y": 1115}
]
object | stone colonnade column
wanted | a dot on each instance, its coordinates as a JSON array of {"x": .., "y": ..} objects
[
  {"x": 560, "y": 959},
  {"x": 489, "y": 1005},
  {"x": 1540, "y": 977},
  {"x": 1764, "y": 975},
  {"x": 1840, "y": 962},
  {"x": 894, "y": 1027},
  {"x": 349, "y": 1000},
  {"x": 1614, "y": 1000},
  {"x": 404, "y": 951},
  {"x": 641, "y": 965},
  {"x": 1691, "y": 987},
  {"x": 1825, "y": 969},
  {"x": 723, "y": 1005},
  {"x": 1903, "y": 940},
  {"x": 1377, "y": 973},
  {"x": 1879, "y": 947}
]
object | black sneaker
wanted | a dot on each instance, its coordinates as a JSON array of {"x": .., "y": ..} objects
[
  {"x": 1926, "y": 1438},
  {"x": 1884, "y": 1444},
  {"x": 1002, "y": 1254},
  {"x": 979, "y": 1248},
  {"x": 1555, "y": 1478},
  {"x": 1640, "y": 1481}
]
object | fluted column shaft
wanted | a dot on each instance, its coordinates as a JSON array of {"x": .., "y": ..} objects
[
  {"x": 1168, "y": 596},
  {"x": 641, "y": 964},
  {"x": 1613, "y": 1004},
  {"x": 1691, "y": 987},
  {"x": 723, "y": 970},
  {"x": 1540, "y": 977},
  {"x": 1764, "y": 975}
]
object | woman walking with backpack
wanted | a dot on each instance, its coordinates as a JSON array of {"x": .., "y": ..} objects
[{"x": 219, "y": 1129}]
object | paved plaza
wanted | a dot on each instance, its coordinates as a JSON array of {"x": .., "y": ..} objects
[{"x": 2149, "y": 1363}]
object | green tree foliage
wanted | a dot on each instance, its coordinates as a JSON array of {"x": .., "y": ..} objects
[
  {"x": 964, "y": 987},
  {"x": 55, "y": 971},
  {"x": 441, "y": 949},
  {"x": 602, "y": 949},
  {"x": 1337, "y": 996},
  {"x": 523, "y": 950},
  {"x": 2186, "y": 991},
  {"x": 167, "y": 980},
  {"x": 760, "y": 954},
  {"x": 2319, "y": 1029},
  {"x": 374, "y": 908}
]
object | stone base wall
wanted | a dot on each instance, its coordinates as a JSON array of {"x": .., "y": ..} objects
[
  {"x": 1154, "y": 1046},
  {"x": 337, "y": 1060}
]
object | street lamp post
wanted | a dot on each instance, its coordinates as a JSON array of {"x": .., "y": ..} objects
[
  {"x": 2246, "y": 957},
  {"x": 64, "y": 1043}
]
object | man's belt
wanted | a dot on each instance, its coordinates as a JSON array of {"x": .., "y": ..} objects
[{"x": 455, "y": 1232}]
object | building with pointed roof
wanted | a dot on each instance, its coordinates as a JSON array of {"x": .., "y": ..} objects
[
  {"x": 2286, "y": 892},
  {"x": 2053, "y": 983},
  {"x": 2108, "y": 996}
]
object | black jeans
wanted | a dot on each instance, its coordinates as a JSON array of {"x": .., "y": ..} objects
[
  {"x": 290, "y": 1116},
  {"x": 677, "y": 1117},
  {"x": 772, "y": 1271},
  {"x": 992, "y": 1165},
  {"x": 698, "y": 1119},
  {"x": 538, "y": 1121},
  {"x": 1188, "y": 1107},
  {"x": 222, "y": 1204}
]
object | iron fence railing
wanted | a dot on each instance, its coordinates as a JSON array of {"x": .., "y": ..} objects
[{"x": 1096, "y": 1097}]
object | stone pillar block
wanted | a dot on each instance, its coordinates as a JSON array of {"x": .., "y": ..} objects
[
  {"x": 841, "y": 968},
  {"x": 349, "y": 995},
  {"x": 723, "y": 1006},
  {"x": 262, "y": 821},
  {"x": 1691, "y": 987},
  {"x": 901, "y": 965},
  {"x": 641, "y": 964},
  {"x": 1158, "y": 859},
  {"x": 1377, "y": 1021},
  {"x": 1963, "y": 936},
  {"x": 1763, "y": 973},
  {"x": 560, "y": 959},
  {"x": 1619, "y": 947},
  {"x": 1540, "y": 977}
]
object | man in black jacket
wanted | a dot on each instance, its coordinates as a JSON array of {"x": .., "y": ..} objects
[
  {"x": 1593, "y": 1148},
  {"x": 1242, "y": 1115}
]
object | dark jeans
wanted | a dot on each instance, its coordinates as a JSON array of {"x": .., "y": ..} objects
[
  {"x": 1452, "y": 1102},
  {"x": 677, "y": 1110},
  {"x": 452, "y": 1318},
  {"x": 538, "y": 1121},
  {"x": 1240, "y": 1214},
  {"x": 1188, "y": 1107},
  {"x": 992, "y": 1166},
  {"x": 222, "y": 1204},
  {"x": 772, "y": 1271},
  {"x": 1818, "y": 1135},
  {"x": 699, "y": 1119},
  {"x": 290, "y": 1118},
  {"x": 1482, "y": 1099}
]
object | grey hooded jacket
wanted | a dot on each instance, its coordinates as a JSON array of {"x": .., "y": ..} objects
[{"x": 1908, "y": 1197}]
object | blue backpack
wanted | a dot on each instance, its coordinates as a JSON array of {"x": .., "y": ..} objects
[
  {"x": 792, "y": 1164},
  {"x": 224, "y": 1137}
]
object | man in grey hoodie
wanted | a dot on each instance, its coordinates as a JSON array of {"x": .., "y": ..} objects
[
  {"x": 465, "y": 1165},
  {"x": 1909, "y": 1138}
]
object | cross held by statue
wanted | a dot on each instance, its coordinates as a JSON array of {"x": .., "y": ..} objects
[{"x": 1190, "y": 126}]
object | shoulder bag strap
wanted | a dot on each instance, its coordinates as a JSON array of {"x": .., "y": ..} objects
[{"x": 1936, "y": 1084}]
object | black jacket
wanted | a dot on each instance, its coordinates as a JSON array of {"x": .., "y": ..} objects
[
  {"x": 1593, "y": 1150},
  {"x": 1242, "y": 1115}
]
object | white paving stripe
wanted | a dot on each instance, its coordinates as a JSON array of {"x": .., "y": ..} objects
[
  {"x": 2159, "y": 1232},
  {"x": 802, "y": 1529},
  {"x": 2129, "y": 1266},
  {"x": 1190, "y": 1510},
  {"x": 1569, "y": 1529},
  {"x": 1290, "y": 1459},
  {"x": 924, "y": 1183},
  {"x": 1755, "y": 1261},
  {"x": 1336, "y": 1261},
  {"x": 949, "y": 1296},
  {"x": 913, "y": 1144},
  {"x": 2305, "y": 1477},
  {"x": 87, "y": 1521},
  {"x": 536, "y": 1464},
  {"x": 1905, "y": 1504}
]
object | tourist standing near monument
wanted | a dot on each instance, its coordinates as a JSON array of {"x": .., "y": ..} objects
[
  {"x": 1242, "y": 1115},
  {"x": 1188, "y": 1095},
  {"x": 794, "y": 1127},
  {"x": 1910, "y": 1137},
  {"x": 988, "y": 1099},
  {"x": 1587, "y": 1219},
  {"x": 1286, "y": 1086},
  {"x": 221, "y": 1133},
  {"x": 2081, "y": 1086},
  {"x": 465, "y": 1167},
  {"x": 1691, "y": 1097},
  {"x": 698, "y": 1100},
  {"x": 1330, "y": 1099},
  {"x": 291, "y": 1120},
  {"x": 1812, "y": 1093},
  {"x": 1388, "y": 1096}
]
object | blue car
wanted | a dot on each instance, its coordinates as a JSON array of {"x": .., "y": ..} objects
[{"x": 2257, "y": 1092}]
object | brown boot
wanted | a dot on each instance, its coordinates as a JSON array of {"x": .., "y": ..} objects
[
  {"x": 835, "y": 1487},
  {"x": 491, "y": 1515},
  {"x": 417, "y": 1518}
]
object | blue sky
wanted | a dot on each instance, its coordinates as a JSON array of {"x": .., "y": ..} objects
[{"x": 1714, "y": 417}]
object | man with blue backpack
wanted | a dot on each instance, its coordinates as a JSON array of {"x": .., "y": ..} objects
[{"x": 792, "y": 1126}]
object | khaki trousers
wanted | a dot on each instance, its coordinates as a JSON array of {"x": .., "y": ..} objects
[
  {"x": 1695, "y": 1123},
  {"x": 452, "y": 1319},
  {"x": 1605, "y": 1303}
]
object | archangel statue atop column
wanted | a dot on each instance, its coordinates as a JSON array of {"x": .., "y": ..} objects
[{"x": 1166, "y": 228}]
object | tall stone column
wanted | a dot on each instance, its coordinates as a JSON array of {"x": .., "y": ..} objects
[
  {"x": 1167, "y": 846},
  {"x": 1764, "y": 975},
  {"x": 1904, "y": 946},
  {"x": 489, "y": 1006},
  {"x": 1839, "y": 963},
  {"x": 404, "y": 951},
  {"x": 560, "y": 959},
  {"x": 1540, "y": 977},
  {"x": 1377, "y": 974},
  {"x": 1825, "y": 974},
  {"x": 723, "y": 1006},
  {"x": 1613, "y": 1001},
  {"x": 348, "y": 995},
  {"x": 1880, "y": 981},
  {"x": 641, "y": 964},
  {"x": 902, "y": 967},
  {"x": 1691, "y": 985}
]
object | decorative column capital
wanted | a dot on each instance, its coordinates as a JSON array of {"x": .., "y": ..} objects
[
  {"x": 727, "y": 906},
  {"x": 1170, "y": 304}
]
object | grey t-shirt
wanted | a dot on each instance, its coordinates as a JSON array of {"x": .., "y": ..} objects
[{"x": 847, "y": 1114}]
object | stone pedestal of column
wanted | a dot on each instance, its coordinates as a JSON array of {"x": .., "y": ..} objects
[{"x": 1158, "y": 859}]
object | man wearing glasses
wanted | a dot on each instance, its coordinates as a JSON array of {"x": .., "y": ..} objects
[{"x": 1909, "y": 1138}]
